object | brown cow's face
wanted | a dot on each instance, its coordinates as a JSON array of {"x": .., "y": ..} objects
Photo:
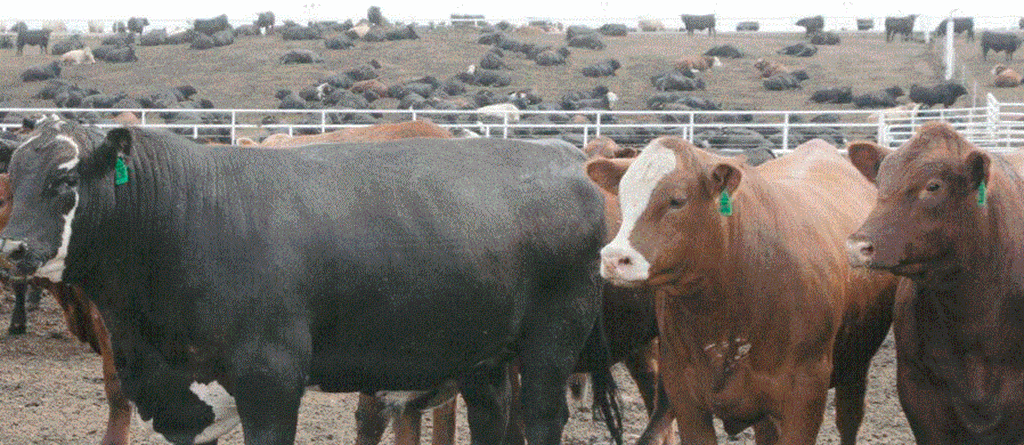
[
  {"x": 927, "y": 197},
  {"x": 669, "y": 212}
]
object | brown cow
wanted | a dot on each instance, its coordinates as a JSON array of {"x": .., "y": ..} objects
[
  {"x": 84, "y": 321},
  {"x": 380, "y": 132},
  {"x": 1005, "y": 77},
  {"x": 758, "y": 311},
  {"x": 605, "y": 147},
  {"x": 698, "y": 63},
  {"x": 948, "y": 220},
  {"x": 768, "y": 68}
]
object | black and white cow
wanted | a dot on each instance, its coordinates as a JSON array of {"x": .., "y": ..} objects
[
  {"x": 265, "y": 21},
  {"x": 899, "y": 25},
  {"x": 137, "y": 24},
  {"x": 232, "y": 279}
]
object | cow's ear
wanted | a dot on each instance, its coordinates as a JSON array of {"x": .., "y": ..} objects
[
  {"x": 104, "y": 157},
  {"x": 977, "y": 166},
  {"x": 867, "y": 157},
  {"x": 607, "y": 173},
  {"x": 724, "y": 177}
]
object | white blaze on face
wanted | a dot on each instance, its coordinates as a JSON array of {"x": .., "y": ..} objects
[
  {"x": 225, "y": 411},
  {"x": 622, "y": 264},
  {"x": 53, "y": 269}
]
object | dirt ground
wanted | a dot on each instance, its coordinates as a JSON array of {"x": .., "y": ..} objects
[
  {"x": 51, "y": 393},
  {"x": 247, "y": 73}
]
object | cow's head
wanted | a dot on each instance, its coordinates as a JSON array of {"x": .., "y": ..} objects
[
  {"x": 930, "y": 192},
  {"x": 671, "y": 222},
  {"x": 46, "y": 176}
]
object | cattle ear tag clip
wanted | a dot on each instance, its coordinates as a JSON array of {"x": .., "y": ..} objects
[
  {"x": 725, "y": 203},
  {"x": 120, "y": 172},
  {"x": 982, "y": 194}
]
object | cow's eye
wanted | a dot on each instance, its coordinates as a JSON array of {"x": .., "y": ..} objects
[
  {"x": 676, "y": 203},
  {"x": 933, "y": 187}
]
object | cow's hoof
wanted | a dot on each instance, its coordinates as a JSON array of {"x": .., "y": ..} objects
[{"x": 16, "y": 330}]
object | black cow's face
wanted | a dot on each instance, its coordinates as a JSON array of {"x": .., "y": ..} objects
[{"x": 45, "y": 174}]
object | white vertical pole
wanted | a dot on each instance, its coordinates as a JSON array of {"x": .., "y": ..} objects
[{"x": 950, "y": 52}]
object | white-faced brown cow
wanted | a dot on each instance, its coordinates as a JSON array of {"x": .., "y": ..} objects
[
  {"x": 948, "y": 220},
  {"x": 758, "y": 311}
]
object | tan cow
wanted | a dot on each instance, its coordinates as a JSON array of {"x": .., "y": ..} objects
[
  {"x": 768, "y": 68},
  {"x": 77, "y": 57},
  {"x": 948, "y": 220},
  {"x": 759, "y": 313},
  {"x": 1005, "y": 77},
  {"x": 651, "y": 25}
]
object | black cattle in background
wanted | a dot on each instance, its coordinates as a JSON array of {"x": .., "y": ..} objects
[
  {"x": 961, "y": 25},
  {"x": 137, "y": 24},
  {"x": 835, "y": 95},
  {"x": 811, "y": 25},
  {"x": 69, "y": 43},
  {"x": 945, "y": 93},
  {"x": 375, "y": 17},
  {"x": 693, "y": 23},
  {"x": 899, "y": 25},
  {"x": 265, "y": 21},
  {"x": 33, "y": 37},
  {"x": 725, "y": 52},
  {"x": 865, "y": 24},
  {"x": 46, "y": 71},
  {"x": 999, "y": 42},
  {"x": 878, "y": 99},
  {"x": 601, "y": 69},
  {"x": 212, "y": 26},
  {"x": 748, "y": 26}
]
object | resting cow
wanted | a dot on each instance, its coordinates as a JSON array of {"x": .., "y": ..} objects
[
  {"x": 1005, "y": 77},
  {"x": 161, "y": 212},
  {"x": 768, "y": 68},
  {"x": 78, "y": 57},
  {"x": 380, "y": 132},
  {"x": 698, "y": 63},
  {"x": 999, "y": 42},
  {"x": 759, "y": 313},
  {"x": 41, "y": 72},
  {"x": 601, "y": 69},
  {"x": 650, "y": 25},
  {"x": 693, "y": 23},
  {"x": 948, "y": 222}
]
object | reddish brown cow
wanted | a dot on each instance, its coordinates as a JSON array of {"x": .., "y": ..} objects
[
  {"x": 380, "y": 132},
  {"x": 758, "y": 311},
  {"x": 605, "y": 147},
  {"x": 697, "y": 63},
  {"x": 948, "y": 220},
  {"x": 84, "y": 321}
]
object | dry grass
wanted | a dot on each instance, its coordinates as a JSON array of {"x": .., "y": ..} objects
[{"x": 247, "y": 73}]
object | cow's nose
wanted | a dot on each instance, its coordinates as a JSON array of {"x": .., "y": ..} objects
[
  {"x": 12, "y": 249},
  {"x": 859, "y": 251}
]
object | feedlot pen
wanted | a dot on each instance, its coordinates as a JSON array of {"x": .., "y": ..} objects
[{"x": 996, "y": 126}]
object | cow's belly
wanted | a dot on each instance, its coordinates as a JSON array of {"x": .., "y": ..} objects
[{"x": 415, "y": 342}]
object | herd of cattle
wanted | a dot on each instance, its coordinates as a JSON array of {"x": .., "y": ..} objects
[{"x": 731, "y": 291}]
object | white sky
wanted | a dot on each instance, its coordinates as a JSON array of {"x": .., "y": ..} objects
[{"x": 327, "y": 10}]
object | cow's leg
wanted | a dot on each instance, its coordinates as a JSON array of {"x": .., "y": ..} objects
[
  {"x": 766, "y": 433},
  {"x": 34, "y": 294},
  {"x": 802, "y": 413},
  {"x": 659, "y": 423},
  {"x": 18, "y": 317},
  {"x": 370, "y": 420},
  {"x": 119, "y": 418},
  {"x": 444, "y": 424},
  {"x": 407, "y": 427},
  {"x": 643, "y": 367},
  {"x": 850, "y": 409},
  {"x": 694, "y": 422},
  {"x": 487, "y": 396},
  {"x": 270, "y": 384}
]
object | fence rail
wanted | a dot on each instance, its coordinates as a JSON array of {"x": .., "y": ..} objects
[{"x": 995, "y": 126}]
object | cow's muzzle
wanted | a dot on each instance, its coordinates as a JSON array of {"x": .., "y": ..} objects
[
  {"x": 14, "y": 255},
  {"x": 860, "y": 251}
]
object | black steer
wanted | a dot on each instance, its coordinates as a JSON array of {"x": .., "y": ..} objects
[
  {"x": 961, "y": 25},
  {"x": 899, "y": 25},
  {"x": 999, "y": 42},
  {"x": 33, "y": 37},
  {"x": 944, "y": 93},
  {"x": 137, "y": 24},
  {"x": 693, "y": 23},
  {"x": 232, "y": 279}
]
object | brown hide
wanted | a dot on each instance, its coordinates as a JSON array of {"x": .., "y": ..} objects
[
  {"x": 605, "y": 147},
  {"x": 958, "y": 313},
  {"x": 1005, "y": 77},
  {"x": 759, "y": 312},
  {"x": 769, "y": 68},
  {"x": 379, "y": 132},
  {"x": 84, "y": 321},
  {"x": 698, "y": 63}
]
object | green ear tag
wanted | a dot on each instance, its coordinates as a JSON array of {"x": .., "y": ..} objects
[
  {"x": 982, "y": 194},
  {"x": 725, "y": 204},
  {"x": 120, "y": 172}
]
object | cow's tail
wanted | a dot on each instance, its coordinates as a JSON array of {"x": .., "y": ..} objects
[{"x": 598, "y": 356}]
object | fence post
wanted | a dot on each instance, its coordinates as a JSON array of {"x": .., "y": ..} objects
[
  {"x": 690, "y": 128},
  {"x": 597, "y": 130},
  {"x": 785, "y": 131},
  {"x": 323, "y": 121},
  {"x": 992, "y": 114},
  {"x": 504, "y": 126},
  {"x": 234, "y": 126},
  {"x": 883, "y": 140}
]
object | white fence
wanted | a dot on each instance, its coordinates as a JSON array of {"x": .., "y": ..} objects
[{"x": 995, "y": 126}]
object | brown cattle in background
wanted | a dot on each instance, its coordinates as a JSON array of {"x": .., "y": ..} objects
[
  {"x": 948, "y": 220},
  {"x": 605, "y": 147},
  {"x": 1005, "y": 77},
  {"x": 698, "y": 63},
  {"x": 759, "y": 313},
  {"x": 379, "y": 132},
  {"x": 768, "y": 68}
]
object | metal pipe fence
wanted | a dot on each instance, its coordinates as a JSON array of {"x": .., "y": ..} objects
[{"x": 994, "y": 126}]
